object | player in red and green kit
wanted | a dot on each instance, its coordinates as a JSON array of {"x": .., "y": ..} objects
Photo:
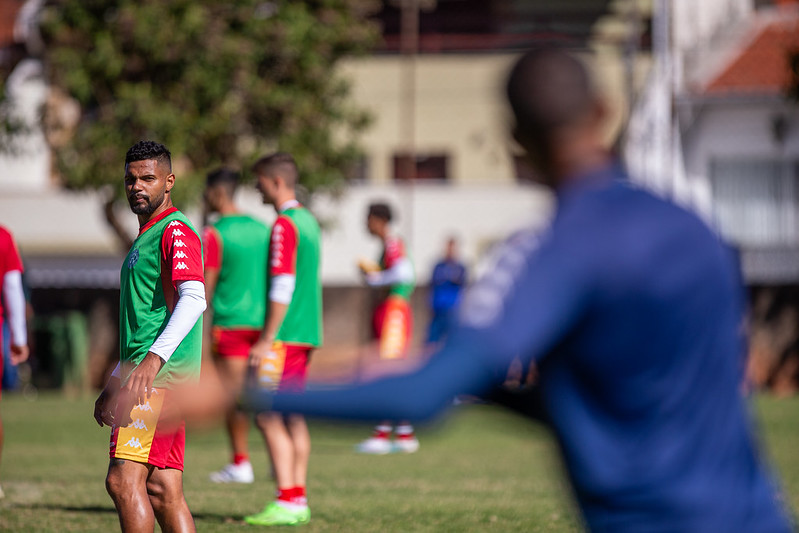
[
  {"x": 12, "y": 305},
  {"x": 392, "y": 321},
  {"x": 162, "y": 299},
  {"x": 293, "y": 328},
  {"x": 235, "y": 247}
]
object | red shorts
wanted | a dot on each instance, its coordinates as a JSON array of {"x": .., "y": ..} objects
[
  {"x": 157, "y": 435},
  {"x": 393, "y": 325},
  {"x": 286, "y": 367},
  {"x": 234, "y": 342}
]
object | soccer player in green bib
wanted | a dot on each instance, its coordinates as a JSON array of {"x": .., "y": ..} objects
[
  {"x": 235, "y": 247},
  {"x": 293, "y": 328},
  {"x": 162, "y": 298}
]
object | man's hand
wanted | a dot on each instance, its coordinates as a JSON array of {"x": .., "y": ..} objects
[
  {"x": 105, "y": 405},
  {"x": 137, "y": 388},
  {"x": 367, "y": 265},
  {"x": 19, "y": 353},
  {"x": 139, "y": 385},
  {"x": 259, "y": 351}
]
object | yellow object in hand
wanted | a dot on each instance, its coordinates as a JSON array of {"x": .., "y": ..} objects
[{"x": 367, "y": 266}]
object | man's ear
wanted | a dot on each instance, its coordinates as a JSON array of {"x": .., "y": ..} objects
[{"x": 170, "y": 182}]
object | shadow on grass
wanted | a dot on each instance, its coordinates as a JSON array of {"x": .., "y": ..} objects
[{"x": 98, "y": 509}]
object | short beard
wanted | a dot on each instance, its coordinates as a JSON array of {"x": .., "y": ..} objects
[{"x": 148, "y": 208}]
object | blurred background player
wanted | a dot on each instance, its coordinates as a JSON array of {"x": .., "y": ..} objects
[
  {"x": 12, "y": 305},
  {"x": 235, "y": 248},
  {"x": 447, "y": 283},
  {"x": 162, "y": 300},
  {"x": 631, "y": 308},
  {"x": 292, "y": 330},
  {"x": 392, "y": 320}
]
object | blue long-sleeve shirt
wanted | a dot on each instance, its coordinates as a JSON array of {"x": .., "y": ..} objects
[
  {"x": 632, "y": 309},
  {"x": 449, "y": 278}
]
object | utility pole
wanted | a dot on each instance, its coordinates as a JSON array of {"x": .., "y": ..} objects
[{"x": 409, "y": 47}]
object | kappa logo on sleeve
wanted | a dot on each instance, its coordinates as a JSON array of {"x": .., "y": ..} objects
[
  {"x": 483, "y": 304},
  {"x": 179, "y": 244},
  {"x": 180, "y": 254},
  {"x": 177, "y": 233},
  {"x": 181, "y": 266},
  {"x": 175, "y": 223}
]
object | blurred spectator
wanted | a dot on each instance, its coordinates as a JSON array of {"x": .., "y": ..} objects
[{"x": 449, "y": 279}]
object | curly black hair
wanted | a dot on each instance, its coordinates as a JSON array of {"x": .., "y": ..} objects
[{"x": 144, "y": 150}]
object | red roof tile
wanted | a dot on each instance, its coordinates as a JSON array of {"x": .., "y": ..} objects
[{"x": 761, "y": 67}]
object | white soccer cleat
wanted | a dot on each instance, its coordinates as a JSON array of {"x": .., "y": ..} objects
[
  {"x": 406, "y": 445},
  {"x": 241, "y": 473},
  {"x": 375, "y": 446}
]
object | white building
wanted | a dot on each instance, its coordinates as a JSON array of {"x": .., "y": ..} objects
[{"x": 716, "y": 130}]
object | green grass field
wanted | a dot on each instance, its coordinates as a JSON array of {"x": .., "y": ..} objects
[{"x": 481, "y": 469}]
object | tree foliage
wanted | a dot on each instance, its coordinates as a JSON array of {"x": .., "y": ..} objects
[{"x": 217, "y": 82}]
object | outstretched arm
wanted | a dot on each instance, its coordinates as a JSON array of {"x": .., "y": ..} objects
[
  {"x": 417, "y": 396},
  {"x": 525, "y": 306}
]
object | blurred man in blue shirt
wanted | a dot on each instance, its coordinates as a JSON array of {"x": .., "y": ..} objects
[
  {"x": 446, "y": 285},
  {"x": 632, "y": 311}
]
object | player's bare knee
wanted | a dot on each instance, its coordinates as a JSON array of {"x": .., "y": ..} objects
[
  {"x": 119, "y": 485},
  {"x": 160, "y": 495},
  {"x": 264, "y": 420}
]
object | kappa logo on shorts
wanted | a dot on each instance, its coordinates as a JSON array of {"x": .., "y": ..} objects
[
  {"x": 144, "y": 407},
  {"x": 138, "y": 424},
  {"x": 133, "y": 258},
  {"x": 134, "y": 443}
]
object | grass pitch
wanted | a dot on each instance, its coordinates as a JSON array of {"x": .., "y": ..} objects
[{"x": 481, "y": 469}]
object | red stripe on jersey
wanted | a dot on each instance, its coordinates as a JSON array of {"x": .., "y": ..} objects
[
  {"x": 212, "y": 248},
  {"x": 150, "y": 223},
  {"x": 395, "y": 250},
  {"x": 181, "y": 259},
  {"x": 283, "y": 247}
]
